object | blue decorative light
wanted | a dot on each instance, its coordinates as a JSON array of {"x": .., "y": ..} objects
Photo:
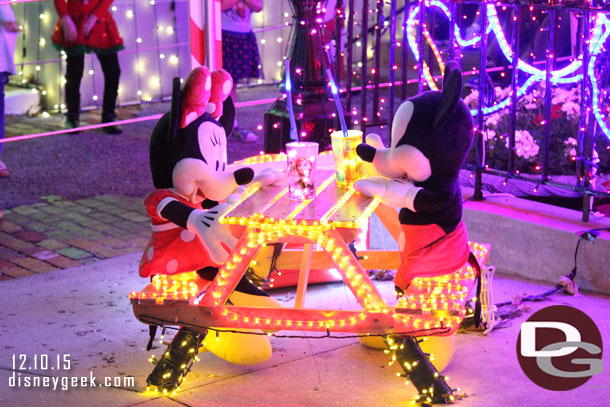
[{"x": 565, "y": 75}]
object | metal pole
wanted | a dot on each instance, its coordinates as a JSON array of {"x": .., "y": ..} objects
[
  {"x": 452, "y": 20},
  {"x": 548, "y": 95},
  {"x": 392, "y": 61},
  {"x": 363, "y": 75},
  {"x": 348, "y": 45},
  {"x": 584, "y": 116},
  {"x": 516, "y": 24},
  {"x": 376, "y": 113},
  {"x": 422, "y": 44},
  {"x": 405, "y": 52},
  {"x": 338, "y": 27},
  {"x": 480, "y": 146}
]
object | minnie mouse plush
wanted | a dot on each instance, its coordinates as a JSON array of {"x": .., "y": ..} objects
[{"x": 188, "y": 161}]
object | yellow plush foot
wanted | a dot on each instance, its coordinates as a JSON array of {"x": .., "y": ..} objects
[
  {"x": 240, "y": 349},
  {"x": 441, "y": 348},
  {"x": 374, "y": 342}
]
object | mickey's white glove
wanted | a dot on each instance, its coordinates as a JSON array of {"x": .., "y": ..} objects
[
  {"x": 91, "y": 20},
  {"x": 69, "y": 29},
  {"x": 368, "y": 169},
  {"x": 211, "y": 232},
  {"x": 397, "y": 193},
  {"x": 269, "y": 176}
]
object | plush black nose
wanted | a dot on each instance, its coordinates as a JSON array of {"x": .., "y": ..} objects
[
  {"x": 366, "y": 152},
  {"x": 243, "y": 175}
]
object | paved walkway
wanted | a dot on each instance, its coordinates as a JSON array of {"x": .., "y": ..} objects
[
  {"x": 20, "y": 125},
  {"x": 60, "y": 233}
]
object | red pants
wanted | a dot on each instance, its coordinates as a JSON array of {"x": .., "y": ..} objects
[{"x": 426, "y": 251}]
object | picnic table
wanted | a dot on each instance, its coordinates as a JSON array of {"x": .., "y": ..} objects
[
  {"x": 318, "y": 231},
  {"x": 324, "y": 226}
]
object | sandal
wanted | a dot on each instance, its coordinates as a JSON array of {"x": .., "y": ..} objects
[{"x": 4, "y": 172}]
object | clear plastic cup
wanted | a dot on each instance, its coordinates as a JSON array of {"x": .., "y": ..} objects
[{"x": 302, "y": 158}]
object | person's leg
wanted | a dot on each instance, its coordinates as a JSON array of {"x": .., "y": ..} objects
[
  {"x": 75, "y": 64},
  {"x": 3, "y": 81},
  {"x": 112, "y": 72},
  {"x": 234, "y": 55}
]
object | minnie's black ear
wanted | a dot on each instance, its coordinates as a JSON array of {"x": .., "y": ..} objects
[
  {"x": 174, "y": 112},
  {"x": 452, "y": 90},
  {"x": 227, "y": 120}
]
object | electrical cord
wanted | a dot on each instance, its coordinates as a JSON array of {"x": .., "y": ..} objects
[{"x": 588, "y": 235}]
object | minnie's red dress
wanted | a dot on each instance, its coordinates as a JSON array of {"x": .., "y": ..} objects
[
  {"x": 104, "y": 36},
  {"x": 171, "y": 248}
]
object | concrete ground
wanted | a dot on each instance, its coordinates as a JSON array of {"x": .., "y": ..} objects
[{"x": 84, "y": 312}]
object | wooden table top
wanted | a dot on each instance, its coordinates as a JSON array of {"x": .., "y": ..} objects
[{"x": 332, "y": 206}]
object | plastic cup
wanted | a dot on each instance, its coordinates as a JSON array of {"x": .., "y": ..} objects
[
  {"x": 302, "y": 158},
  {"x": 348, "y": 165}
]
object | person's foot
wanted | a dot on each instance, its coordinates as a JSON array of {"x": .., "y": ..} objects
[
  {"x": 114, "y": 129},
  {"x": 72, "y": 124},
  {"x": 243, "y": 135},
  {"x": 3, "y": 170}
]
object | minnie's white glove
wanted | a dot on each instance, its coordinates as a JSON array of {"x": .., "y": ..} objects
[
  {"x": 211, "y": 232},
  {"x": 269, "y": 176},
  {"x": 397, "y": 193},
  {"x": 69, "y": 29},
  {"x": 236, "y": 195},
  {"x": 88, "y": 26}
]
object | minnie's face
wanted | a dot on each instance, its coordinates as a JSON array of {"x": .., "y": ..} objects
[{"x": 206, "y": 177}]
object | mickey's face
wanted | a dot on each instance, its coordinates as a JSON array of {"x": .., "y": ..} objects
[
  {"x": 401, "y": 160},
  {"x": 431, "y": 134}
]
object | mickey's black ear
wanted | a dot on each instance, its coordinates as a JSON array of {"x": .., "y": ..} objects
[
  {"x": 452, "y": 90},
  {"x": 174, "y": 112},
  {"x": 227, "y": 120}
]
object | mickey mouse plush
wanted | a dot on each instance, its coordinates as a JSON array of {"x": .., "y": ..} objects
[
  {"x": 188, "y": 161},
  {"x": 431, "y": 134}
]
